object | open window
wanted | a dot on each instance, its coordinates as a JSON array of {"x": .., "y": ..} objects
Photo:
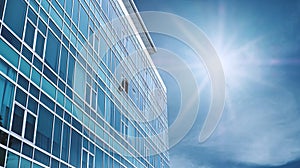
[{"x": 124, "y": 85}]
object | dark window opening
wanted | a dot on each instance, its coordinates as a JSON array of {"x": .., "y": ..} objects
[{"x": 124, "y": 86}]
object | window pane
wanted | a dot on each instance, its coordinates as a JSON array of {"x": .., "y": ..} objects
[
  {"x": 34, "y": 91},
  {"x": 21, "y": 96},
  {"x": 84, "y": 159},
  {"x": 41, "y": 157},
  {"x": 84, "y": 22},
  {"x": 47, "y": 101},
  {"x": 29, "y": 34},
  {"x": 12, "y": 160},
  {"x": 101, "y": 102},
  {"x": 27, "y": 150},
  {"x": 23, "y": 82},
  {"x": 48, "y": 87},
  {"x": 39, "y": 48},
  {"x": 91, "y": 161},
  {"x": 15, "y": 15},
  {"x": 71, "y": 71},
  {"x": 44, "y": 129},
  {"x": 2, "y": 156},
  {"x": 18, "y": 120},
  {"x": 54, "y": 163},
  {"x": 14, "y": 143},
  {"x": 6, "y": 98},
  {"x": 25, "y": 67},
  {"x": 52, "y": 51},
  {"x": 79, "y": 80},
  {"x": 87, "y": 94},
  {"x": 99, "y": 158},
  {"x": 3, "y": 138},
  {"x": 30, "y": 125},
  {"x": 6, "y": 69},
  {"x": 1, "y": 12},
  {"x": 63, "y": 63},
  {"x": 32, "y": 105},
  {"x": 12, "y": 39},
  {"x": 25, "y": 163},
  {"x": 65, "y": 145},
  {"x": 76, "y": 145},
  {"x": 8, "y": 53},
  {"x": 57, "y": 137},
  {"x": 27, "y": 53},
  {"x": 75, "y": 12}
]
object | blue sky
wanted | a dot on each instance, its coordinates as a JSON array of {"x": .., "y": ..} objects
[{"x": 259, "y": 45}]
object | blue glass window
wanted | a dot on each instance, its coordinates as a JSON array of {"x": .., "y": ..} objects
[
  {"x": 57, "y": 137},
  {"x": 67, "y": 117},
  {"x": 101, "y": 102},
  {"x": 47, "y": 101},
  {"x": 91, "y": 161},
  {"x": 12, "y": 160},
  {"x": 29, "y": 128},
  {"x": 75, "y": 12},
  {"x": 8, "y": 53},
  {"x": 2, "y": 156},
  {"x": 69, "y": 7},
  {"x": 37, "y": 63},
  {"x": 84, "y": 22},
  {"x": 17, "y": 122},
  {"x": 84, "y": 159},
  {"x": 29, "y": 34},
  {"x": 52, "y": 51},
  {"x": 76, "y": 143},
  {"x": 32, "y": 105},
  {"x": 25, "y": 67},
  {"x": 61, "y": 85},
  {"x": 44, "y": 129},
  {"x": 63, "y": 63},
  {"x": 87, "y": 94},
  {"x": 76, "y": 124},
  {"x": 34, "y": 91},
  {"x": 50, "y": 74},
  {"x": 79, "y": 83},
  {"x": 53, "y": 25},
  {"x": 42, "y": 27},
  {"x": 71, "y": 71},
  {"x": 108, "y": 107},
  {"x": 117, "y": 119},
  {"x": 59, "y": 111},
  {"x": 11, "y": 38},
  {"x": 25, "y": 163},
  {"x": 39, "y": 48},
  {"x": 69, "y": 93},
  {"x": 23, "y": 82},
  {"x": 27, "y": 150},
  {"x": 15, "y": 15},
  {"x": 65, "y": 144},
  {"x": 6, "y": 69},
  {"x": 1, "y": 12},
  {"x": 41, "y": 157},
  {"x": 54, "y": 163},
  {"x": 14, "y": 143},
  {"x": 27, "y": 53},
  {"x": 3, "y": 138},
  {"x": 21, "y": 97},
  {"x": 32, "y": 16}
]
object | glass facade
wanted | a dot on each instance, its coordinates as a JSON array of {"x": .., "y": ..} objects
[{"x": 62, "y": 102}]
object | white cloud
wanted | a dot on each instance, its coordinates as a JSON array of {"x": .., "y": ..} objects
[
  {"x": 181, "y": 161},
  {"x": 261, "y": 128}
]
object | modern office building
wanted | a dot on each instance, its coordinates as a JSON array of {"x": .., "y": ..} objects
[{"x": 77, "y": 90}]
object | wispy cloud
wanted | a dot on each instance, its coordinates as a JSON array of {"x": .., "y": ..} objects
[{"x": 261, "y": 128}]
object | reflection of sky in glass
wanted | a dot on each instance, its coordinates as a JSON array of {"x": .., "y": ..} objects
[{"x": 258, "y": 43}]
